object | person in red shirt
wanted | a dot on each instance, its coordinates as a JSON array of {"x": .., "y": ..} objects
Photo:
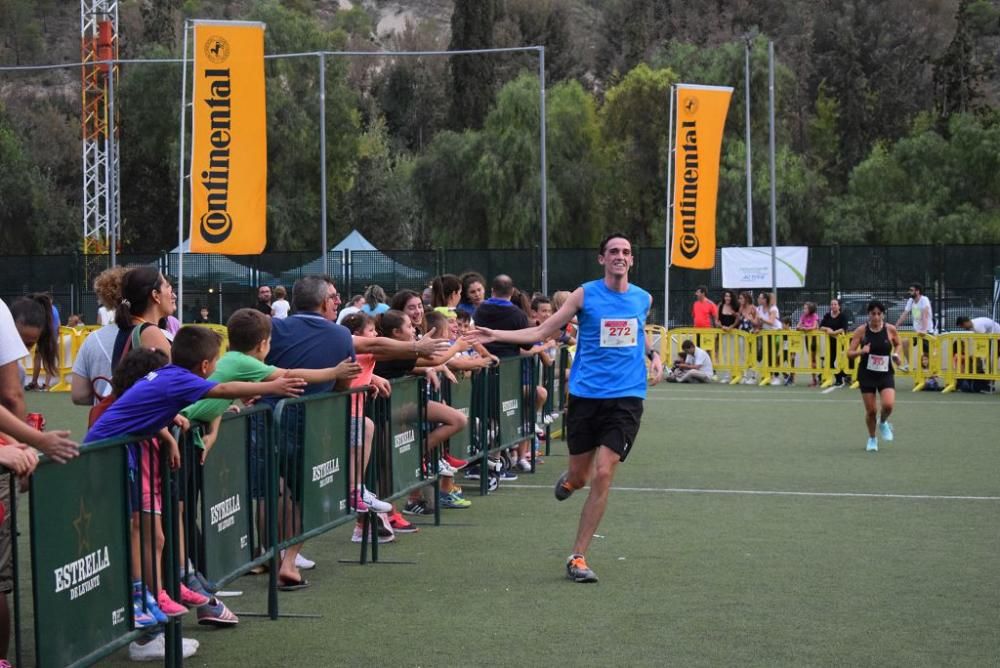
[{"x": 704, "y": 312}]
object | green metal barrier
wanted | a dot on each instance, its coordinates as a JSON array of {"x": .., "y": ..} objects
[
  {"x": 408, "y": 437},
  {"x": 510, "y": 401},
  {"x": 460, "y": 397},
  {"x": 223, "y": 495},
  {"x": 81, "y": 557},
  {"x": 312, "y": 446}
]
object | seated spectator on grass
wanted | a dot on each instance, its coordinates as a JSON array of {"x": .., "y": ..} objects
[{"x": 696, "y": 367}]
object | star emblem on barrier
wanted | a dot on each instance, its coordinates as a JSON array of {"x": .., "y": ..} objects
[
  {"x": 224, "y": 472},
  {"x": 82, "y": 526}
]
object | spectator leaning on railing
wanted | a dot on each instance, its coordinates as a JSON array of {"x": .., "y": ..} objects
[{"x": 53, "y": 443}]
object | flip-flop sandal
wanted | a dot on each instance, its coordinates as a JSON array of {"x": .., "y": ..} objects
[{"x": 285, "y": 584}]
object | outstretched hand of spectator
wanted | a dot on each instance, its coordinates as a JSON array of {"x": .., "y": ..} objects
[
  {"x": 56, "y": 445},
  {"x": 380, "y": 386},
  {"x": 428, "y": 347},
  {"x": 19, "y": 458},
  {"x": 348, "y": 369},
  {"x": 285, "y": 387}
]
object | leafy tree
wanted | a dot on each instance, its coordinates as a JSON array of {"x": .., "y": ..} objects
[
  {"x": 443, "y": 179},
  {"x": 34, "y": 217},
  {"x": 381, "y": 203},
  {"x": 148, "y": 98},
  {"x": 22, "y": 34},
  {"x": 472, "y": 83},
  {"x": 634, "y": 130},
  {"x": 928, "y": 187},
  {"x": 293, "y": 127},
  {"x": 412, "y": 91}
]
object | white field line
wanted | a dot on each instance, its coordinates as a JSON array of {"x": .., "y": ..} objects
[
  {"x": 771, "y": 492},
  {"x": 741, "y": 397}
]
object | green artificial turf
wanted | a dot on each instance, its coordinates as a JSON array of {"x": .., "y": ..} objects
[{"x": 694, "y": 570}]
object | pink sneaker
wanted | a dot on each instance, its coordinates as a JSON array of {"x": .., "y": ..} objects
[
  {"x": 357, "y": 503},
  {"x": 192, "y": 599},
  {"x": 169, "y": 606}
]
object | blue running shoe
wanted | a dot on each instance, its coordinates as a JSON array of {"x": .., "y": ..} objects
[
  {"x": 144, "y": 599},
  {"x": 140, "y": 618},
  {"x": 885, "y": 431},
  {"x": 872, "y": 445}
]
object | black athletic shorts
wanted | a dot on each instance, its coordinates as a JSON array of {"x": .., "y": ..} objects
[
  {"x": 872, "y": 383},
  {"x": 610, "y": 422}
]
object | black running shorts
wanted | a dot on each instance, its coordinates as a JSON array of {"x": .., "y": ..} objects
[
  {"x": 872, "y": 383},
  {"x": 610, "y": 422}
]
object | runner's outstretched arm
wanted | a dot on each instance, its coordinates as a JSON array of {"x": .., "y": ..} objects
[{"x": 532, "y": 335}]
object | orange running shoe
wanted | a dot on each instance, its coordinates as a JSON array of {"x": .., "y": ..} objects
[{"x": 578, "y": 571}]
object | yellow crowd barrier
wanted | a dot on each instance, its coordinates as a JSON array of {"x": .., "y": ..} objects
[
  {"x": 733, "y": 352},
  {"x": 969, "y": 356},
  {"x": 738, "y": 356},
  {"x": 788, "y": 352}
]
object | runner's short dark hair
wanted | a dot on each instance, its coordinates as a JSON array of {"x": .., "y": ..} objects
[{"x": 613, "y": 235}]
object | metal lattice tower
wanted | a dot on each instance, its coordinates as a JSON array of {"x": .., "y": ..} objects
[{"x": 101, "y": 208}]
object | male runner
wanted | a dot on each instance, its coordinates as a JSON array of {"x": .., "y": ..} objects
[{"x": 607, "y": 385}]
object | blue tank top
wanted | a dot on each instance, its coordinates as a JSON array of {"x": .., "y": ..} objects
[{"x": 611, "y": 345}]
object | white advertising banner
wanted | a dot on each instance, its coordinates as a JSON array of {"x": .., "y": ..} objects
[{"x": 751, "y": 267}]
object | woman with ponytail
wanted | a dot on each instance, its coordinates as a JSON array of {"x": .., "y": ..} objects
[
  {"x": 147, "y": 298},
  {"x": 446, "y": 291},
  {"x": 37, "y": 326}
]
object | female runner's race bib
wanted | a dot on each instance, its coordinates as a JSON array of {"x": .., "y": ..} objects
[
  {"x": 878, "y": 363},
  {"x": 619, "y": 333}
]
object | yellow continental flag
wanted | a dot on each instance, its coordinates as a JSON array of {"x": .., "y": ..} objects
[
  {"x": 229, "y": 140},
  {"x": 701, "y": 116}
]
